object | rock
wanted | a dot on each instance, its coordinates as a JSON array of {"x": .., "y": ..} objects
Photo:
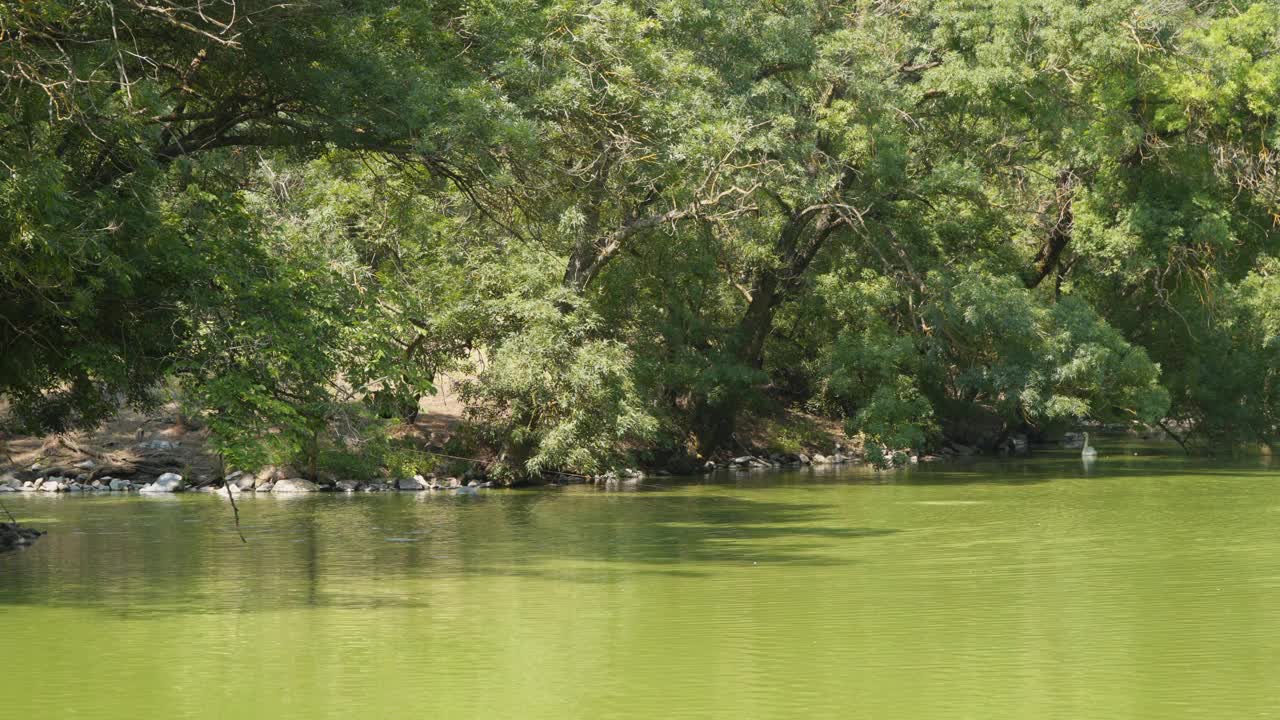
[
  {"x": 86, "y": 465},
  {"x": 349, "y": 486},
  {"x": 414, "y": 483},
  {"x": 743, "y": 460},
  {"x": 10, "y": 480},
  {"x": 709, "y": 466},
  {"x": 158, "y": 444},
  {"x": 1019, "y": 444},
  {"x": 265, "y": 487},
  {"x": 838, "y": 459},
  {"x": 963, "y": 449},
  {"x": 28, "y": 486},
  {"x": 453, "y": 482},
  {"x": 804, "y": 459},
  {"x": 7, "y": 489},
  {"x": 295, "y": 485},
  {"x": 474, "y": 483},
  {"x": 38, "y": 484},
  {"x": 273, "y": 473},
  {"x": 166, "y": 483},
  {"x": 120, "y": 485},
  {"x": 50, "y": 485},
  {"x": 372, "y": 488},
  {"x": 819, "y": 460},
  {"x": 75, "y": 487}
]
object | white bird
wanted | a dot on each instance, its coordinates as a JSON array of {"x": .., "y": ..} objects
[{"x": 1087, "y": 452}]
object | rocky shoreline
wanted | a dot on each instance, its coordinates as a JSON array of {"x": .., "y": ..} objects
[
  {"x": 267, "y": 481},
  {"x": 152, "y": 476},
  {"x": 87, "y": 478}
]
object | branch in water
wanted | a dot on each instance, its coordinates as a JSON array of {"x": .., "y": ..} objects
[{"x": 236, "y": 510}]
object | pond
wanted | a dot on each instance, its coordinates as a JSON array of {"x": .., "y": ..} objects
[{"x": 1139, "y": 587}]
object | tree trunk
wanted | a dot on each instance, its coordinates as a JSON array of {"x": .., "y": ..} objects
[
  {"x": 797, "y": 244},
  {"x": 581, "y": 269},
  {"x": 1050, "y": 254}
]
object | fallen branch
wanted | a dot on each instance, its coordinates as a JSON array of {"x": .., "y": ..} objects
[
  {"x": 235, "y": 510},
  {"x": 75, "y": 447}
]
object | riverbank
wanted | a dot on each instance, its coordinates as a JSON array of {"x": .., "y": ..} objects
[{"x": 134, "y": 451}]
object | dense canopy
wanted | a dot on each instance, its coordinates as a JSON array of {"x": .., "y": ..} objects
[{"x": 625, "y": 225}]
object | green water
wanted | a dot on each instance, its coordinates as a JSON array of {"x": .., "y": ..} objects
[{"x": 1142, "y": 588}]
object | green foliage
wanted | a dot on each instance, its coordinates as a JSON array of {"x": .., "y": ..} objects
[
  {"x": 896, "y": 416},
  {"x": 553, "y": 396},
  {"x": 627, "y": 223}
]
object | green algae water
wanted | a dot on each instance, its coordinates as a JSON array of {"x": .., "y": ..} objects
[{"x": 1139, "y": 587}]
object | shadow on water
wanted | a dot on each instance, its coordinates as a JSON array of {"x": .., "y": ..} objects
[
  {"x": 1042, "y": 467},
  {"x": 390, "y": 551},
  {"x": 132, "y": 556}
]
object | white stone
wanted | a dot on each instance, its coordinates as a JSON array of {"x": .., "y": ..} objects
[
  {"x": 295, "y": 485},
  {"x": 414, "y": 483},
  {"x": 166, "y": 483}
]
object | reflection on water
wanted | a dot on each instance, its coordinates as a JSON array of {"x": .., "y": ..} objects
[{"x": 1138, "y": 587}]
